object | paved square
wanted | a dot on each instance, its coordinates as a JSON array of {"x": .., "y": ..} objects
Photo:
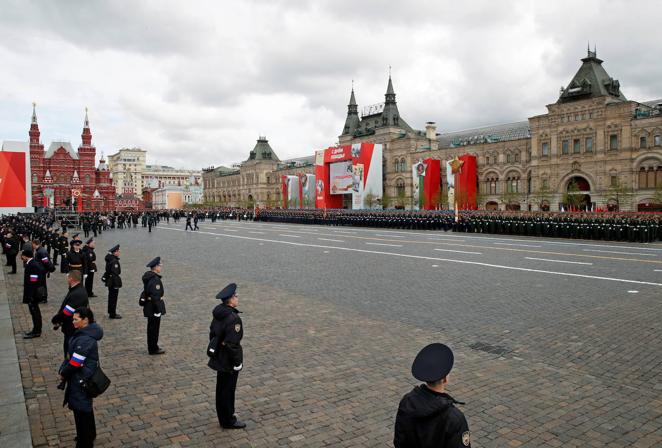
[{"x": 546, "y": 355}]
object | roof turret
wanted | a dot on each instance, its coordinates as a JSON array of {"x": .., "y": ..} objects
[{"x": 591, "y": 81}]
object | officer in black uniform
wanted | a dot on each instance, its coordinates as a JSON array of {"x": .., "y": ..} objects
[
  {"x": 153, "y": 305},
  {"x": 225, "y": 333},
  {"x": 113, "y": 280},
  {"x": 427, "y": 416},
  {"x": 90, "y": 264},
  {"x": 76, "y": 298},
  {"x": 34, "y": 281}
]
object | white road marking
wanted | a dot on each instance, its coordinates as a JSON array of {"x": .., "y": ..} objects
[
  {"x": 291, "y": 236},
  {"x": 658, "y": 270},
  {"x": 460, "y": 251},
  {"x": 520, "y": 245},
  {"x": 619, "y": 253},
  {"x": 326, "y": 251},
  {"x": 344, "y": 231},
  {"x": 559, "y": 261},
  {"x": 422, "y": 257},
  {"x": 230, "y": 230},
  {"x": 441, "y": 238},
  {"x": 383, "y": 244},
  {"x": 633, "y": 291},
  {"x": 389, "y": 236},
  {"x": 257, "y": 233},
  {"x": 329, "y": 239},
  {"x": 435, "y": 265}
]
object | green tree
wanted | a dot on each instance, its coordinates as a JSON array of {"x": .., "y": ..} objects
[
  {"x": 401, "y": 199},
  {"x": 541, "y": 195},
  {"x": 510, "y": 198},
  {"x": 386, "y": 200},
  {"x": 370, "y": 200},
  {"x": 621, "y": 192}
]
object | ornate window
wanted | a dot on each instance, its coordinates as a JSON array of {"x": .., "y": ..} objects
[
  {"x": 400, "y": 187},
  {"x": 516, "y": 157},
  {"x": 576, "y": 146},
  {"x": 642, "y": 142},
  {"x": 509, "y": 158},
  {"x": 613, "y": 142},
  {"x": 657, "y": 140},
  {"x": 492, "y": 182},
  {"x": 403, "y": 165},
  {"x": 545, "y": 149},
  {"x": 588, "y": 144},
  {"x": 565, "y": 147}
]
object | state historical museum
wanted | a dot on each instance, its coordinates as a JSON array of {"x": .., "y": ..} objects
[{"x": 62, "y": 177}]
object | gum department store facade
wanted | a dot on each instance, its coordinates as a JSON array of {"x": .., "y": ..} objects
[{"x": 593, "y": 145}]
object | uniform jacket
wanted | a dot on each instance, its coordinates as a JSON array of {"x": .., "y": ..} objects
[
  {"x": 76, "y": 298},
  {"x": 77, "y": 258},
  {"x": 428, "y": 419},
  {"x": 227, "y": 325},
  {"x": 90, "y": 259},
  {"x": 34, "y": 281},
  {"x": 11, "y": 245},
  {"x": 41, "y": 254},
  {"x": 113, "y": 271},
  {"x": 82, "y": 361},
  {"x": 153, "y": 290}
]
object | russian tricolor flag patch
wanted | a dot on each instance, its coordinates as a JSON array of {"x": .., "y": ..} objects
[
  {"x": 77, "y": 360},
  {"x": 68, "y": 310},
  {"x": 44, "y": 260},
  {"x": 34, "y": 278}
]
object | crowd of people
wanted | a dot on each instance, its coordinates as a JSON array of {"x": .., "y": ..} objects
[{"x": 42, "y": 241}]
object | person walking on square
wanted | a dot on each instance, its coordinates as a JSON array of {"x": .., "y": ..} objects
[
  {"x": 195, "y": 222},
  {"x": 226, "y": 354},
  {"x": 188, "y": 223},
  {"x": 90, "y": 264},
  {"x": 427, "y": 416},
  {"x": 113, "y": 280},
  {"x": 153, "y": 304},
  {"x": 82, "y": 361},
  {"x": 76, "y": 298}
]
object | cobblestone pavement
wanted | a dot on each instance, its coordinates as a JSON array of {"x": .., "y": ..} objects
[{"x": 541, "y": 360}]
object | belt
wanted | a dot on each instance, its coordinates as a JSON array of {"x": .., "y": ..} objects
[{"x": 75, "y": 265}]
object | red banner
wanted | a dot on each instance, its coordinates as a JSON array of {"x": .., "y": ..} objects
[
  {"x": 465, "y": 183},
  {"x": 431, "y": 184},
  {"x": 12, "y": 179},
  {"x": 283, "y": 190}
]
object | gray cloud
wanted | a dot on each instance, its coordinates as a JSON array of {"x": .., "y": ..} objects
[{"x": 195, "y": 86}]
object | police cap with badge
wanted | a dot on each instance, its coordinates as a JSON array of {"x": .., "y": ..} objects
[
  {"x": 227, "y": 293},
  {"x": 433, "y": 363}
]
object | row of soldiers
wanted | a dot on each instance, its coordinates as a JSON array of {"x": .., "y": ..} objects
[{"x": 633, "y": 227}]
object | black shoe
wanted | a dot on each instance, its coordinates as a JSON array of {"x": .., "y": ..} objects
[
  {"x": 31, "y": 335},
  {"x": 116, "y": 316},
  {"x": 12, "y": 272},
  {"x": 159, "y": 351},
  {"x": 43, "y": 301},
  {"x": 238, "y": 424},
  {"x": 92, "y": 295}
]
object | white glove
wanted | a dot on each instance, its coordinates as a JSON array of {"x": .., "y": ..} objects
[{"x": 239, "y": 367}]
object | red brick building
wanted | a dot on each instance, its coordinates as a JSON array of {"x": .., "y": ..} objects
[{"x": 61, "y": 175}]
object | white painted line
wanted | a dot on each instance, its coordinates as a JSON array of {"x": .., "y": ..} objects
[
  {"x": 389, "y": 236},
  {"x": 230, "y": 230},
  {"x": 441, "y": 238},
  {"x": 422, "y": 257},
  {"x": 326, "y": 251},
  {"x": 658, "y": 270},
  {"x": 291, "y": 236},
  {"x": 520, "y": 245},
  {"x": 460, "y": 251},
  {"x": 383, "y": 244},
  {"x": 558, "y": 261},
  {"x": 619, "y": 253},
  {"x": 633, "y": 291},
  {"x": 435, "y": 265},
  {"x": 329, "y": 239},
  {"x": 257, "y": 233},
  {"x": 344, "y": 231}
]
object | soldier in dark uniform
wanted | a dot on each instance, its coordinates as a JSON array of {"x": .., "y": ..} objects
[
  {"x": 113, "y": 280},
  {"x": 34, "y": 281},
  {"x": 90, "y": 264},
  {"x": 75, "y": 257},
  {"x": 11, "y": 250},
  {"x": 76, "y": 298},
  {"x": 427, "y": 416},
  {"x": 153, "y": 305},
  {"x": 226, "y": 355}
]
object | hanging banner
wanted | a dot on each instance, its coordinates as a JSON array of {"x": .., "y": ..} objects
[{"x": 13, "y": 188}]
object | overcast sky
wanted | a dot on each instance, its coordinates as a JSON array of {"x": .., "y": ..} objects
[{"x": 196, "y": 82}]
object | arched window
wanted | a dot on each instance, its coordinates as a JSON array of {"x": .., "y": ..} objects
[
  {"x": 517, "y": 157},
  {"x": 643, "y": 179},
  {"x": 509, "y": 158},
  {"x": 400, "y": 187},
  {"x": 403, "y": 165},
  {"x": 396, "y": 165}
]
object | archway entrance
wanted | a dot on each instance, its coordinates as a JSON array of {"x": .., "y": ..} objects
[
  {"x": 577, "y": 195},
  {"x": 649, "y": 206},
  {"x": 492, "y": 206}
]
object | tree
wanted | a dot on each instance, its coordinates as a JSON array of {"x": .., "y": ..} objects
[
  {"x": 510, "y": 198},
  {"x": 369, "y": 200},
  {"x": 620, "y": 192},
  {"x": 542, "y": 195},
  {"x": 401, "y": 199},
  {"x": 386, "y": 200}
]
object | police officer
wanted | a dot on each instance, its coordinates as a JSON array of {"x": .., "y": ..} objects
[
  {"x": 90, "y": 263},
  {"x": 226, "y": 355},
  {"x": 34, "y": 281},
  {"x": 76, "y": 298},
  {"x": 427, "y": 416},
  {"x": 113, "y": 280},
  {"x": 153, "y": 304}
]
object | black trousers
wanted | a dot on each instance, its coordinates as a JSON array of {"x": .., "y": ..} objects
[
  {"x": 112, "y": 301},
  {"x": 86, "y": 429},
  {"x": 11, "y": 261},
  {"x": 35, "y": 313},
  {"x": 56, "y": 252},
  {"x": 89, "y": 283},
  {"x": 226, "y": 383},
  {"x": 65, "y": 345},
  {"x": 153, "y": 327}
]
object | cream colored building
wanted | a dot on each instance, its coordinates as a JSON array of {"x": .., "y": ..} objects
[
  {"x": 130, "y": 173},
  {"x": 593, "y": 148},
  {"x": 254, "y": 181}
]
